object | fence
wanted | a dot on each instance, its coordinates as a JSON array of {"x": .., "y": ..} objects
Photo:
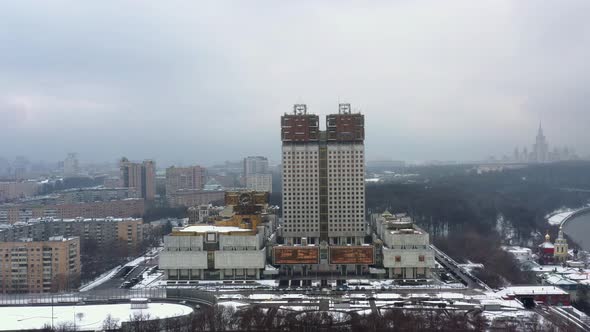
[{"x": 112, "y": 295}]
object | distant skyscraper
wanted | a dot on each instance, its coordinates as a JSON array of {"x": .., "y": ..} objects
[
  {"x": 541, "y": 148},
  {"x": 141, "y": 177},
  {"x": 71, "y": 166},
  {"x": 323, "y": 177}
]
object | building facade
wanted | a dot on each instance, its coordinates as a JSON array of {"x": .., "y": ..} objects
[
  {"x": 28, "y": 266},
  {"x": 131, "y": 207},
  {"x": 259, "y": 182},
  {"x": 256, "y": 175},
  {"x": 324, "y": 227},
  {"x": 255, "y": 165},
  {"x": 105, "y": 231},
  {"x": 195, "y": 197},
  {"x": 71, "y": 166},
  {"x": 230, "y": 248},
  {"x": 183, "y": 178},
  {"x": 17, "y": 190},
  {"x": 405, "y": 250},
  {"x": 323, "y": 177},
  {"x": 141, "y": 177}
]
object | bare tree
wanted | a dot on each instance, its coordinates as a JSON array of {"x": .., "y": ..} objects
[{"x": 110, "y": 323}]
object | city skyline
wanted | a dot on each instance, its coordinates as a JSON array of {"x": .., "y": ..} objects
[
  {"x": 452, "y": 81},
  {"x": 503, "y": 153}
]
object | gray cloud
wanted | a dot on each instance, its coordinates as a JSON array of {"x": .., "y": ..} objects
[{"x": 208, "y": 81}]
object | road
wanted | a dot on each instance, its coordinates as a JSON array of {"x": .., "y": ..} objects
[
  {"x": 561, "y": 318},
  {"x": 127, "y": 273},
  {"x": 451, "y": 265}
]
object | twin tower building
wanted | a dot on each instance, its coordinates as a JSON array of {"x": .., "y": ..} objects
[
  {"x": 324, "y": 231},
  {"x": 323, "y": 177}
]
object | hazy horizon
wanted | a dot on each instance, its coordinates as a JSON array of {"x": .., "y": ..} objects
[{"x": 186, "y": 82}]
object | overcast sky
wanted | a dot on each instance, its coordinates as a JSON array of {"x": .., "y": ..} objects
[{"x": 185, "y": 82}]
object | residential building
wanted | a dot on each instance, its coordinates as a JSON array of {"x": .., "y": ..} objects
[
  {"x": 188, "y": 197},
  {"x": 28, "y": 266},
  {"x": 184, "y": 178},
  {"x": 96, "y": 194},
  {"x": 255, "y": 165},
  {"x": 259, "y": 182},
  {"x": 17, "y": 190},
  {"x": 256, "y": 175},
  {"x": 71, "y": 166},
  {"x": 130, "y": 207},
  {"x": 105, "y": 231},
  {"x": 141, "y": 177}
]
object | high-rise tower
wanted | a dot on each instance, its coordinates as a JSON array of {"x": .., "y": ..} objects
[
  {"x": 541, "y": 148},
  {"x": 141, "y": 177},
  {"x": 323, "y": 177}
]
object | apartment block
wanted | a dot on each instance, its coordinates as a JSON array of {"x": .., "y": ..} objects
[
  {"x": 131, "y": 207},
  {"x": 140, "y": 176},
  {"x": 194, "y": 197},
  {"x": 105, "y": 231},
  {"x": 259, "y": 182},
  {"x": 28, "y": 266},
  {"x": 183, "y": 178}
]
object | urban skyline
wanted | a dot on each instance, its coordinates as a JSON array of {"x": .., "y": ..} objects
[{"x": 424, "y": 99}]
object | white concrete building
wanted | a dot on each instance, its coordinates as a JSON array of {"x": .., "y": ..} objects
[
  {"x": 234, "y": 247},
  {"x": 255, "y": 165},
  {"x": 406, "y": 247},
  {"x": 213, "y": 252},
  {"x": 259, "y": 182}
]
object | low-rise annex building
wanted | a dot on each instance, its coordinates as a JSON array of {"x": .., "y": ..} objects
[
  {"x": 406, "y": 252},
  {"x": 231, "y": 247}
]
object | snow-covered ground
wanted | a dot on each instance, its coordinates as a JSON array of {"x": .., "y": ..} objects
[
  {"x": 557, "y": 217},
  {"x": 87, "y": 317},
  {"x": 110, "y": 274},
  {"x": 148, "y": 279},
  {"x": 232, "y": 304},
  {"x": 101, "y": 279}
]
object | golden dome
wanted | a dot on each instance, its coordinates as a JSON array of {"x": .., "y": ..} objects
[{"x": 547, "y": 237}]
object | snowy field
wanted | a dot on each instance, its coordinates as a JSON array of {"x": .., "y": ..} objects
[{"x": 86, "y": 317}]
